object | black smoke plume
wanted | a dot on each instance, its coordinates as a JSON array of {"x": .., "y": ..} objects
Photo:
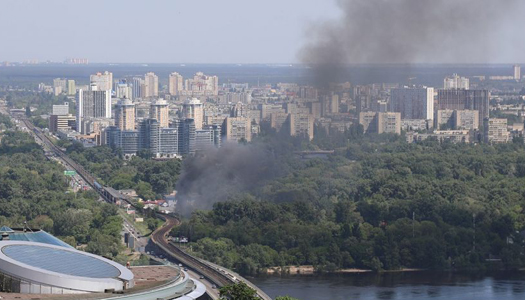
[
  {"x": 414, "y": 31},
  {"x": 217, "y": 174}
]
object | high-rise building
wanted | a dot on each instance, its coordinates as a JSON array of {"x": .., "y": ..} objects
[
  {"x": 159, "y": 111},
  {"x": 94, "y": 125},
  {"x": 334, "y": 104},
  {"x": 61, "y": 122},
  {"x": 268, "y": 109},
  {"x": 367, "y": 119},
  {"x": 202, "y": 85},
  {"x": 149, "y": 135},
  {"x": 236, "y": 129},
  {"x": 61, "y": 110},
  {"x": 161, "y": 142},
  {"x": 517, "y": 72},
  {"x": 466, "y": 119},
  {"x": 193, "y": 109},
  {"x": 301, "y": 125},
  {"x": 130, "y": 141},
  {"x": 137, "y": 88},
  {"x": 243, "y": 97},
  {"x": 186, "y": 136},
  {"x": 127, "y": 141},
  {"x": 124, "y": 90},
  {"x": 60, "y": 83},
  {"x": 103, "y": 81},
  {"x": 464, "y": 99},
  {"x": 168, "y": 144},
  {"x": 71, "y": 87},
  {"x": 456, "y": 82},
  {"x": 389, "y": 122},
  {"x": 278, "y": 120},
  {"x": 444, "y": 119},
  {"x": 377, "y": 122},
  {"x": 413, "y": 103},
  {"x": 151, "y": 85},
  {"x": 125, "y": 115},
  {"x": 315, "y": 109},
  {"x": 208, "y": 137},
  {"x": 496, "y": 131},
  {"x": 175, "y": 84},
  {"x": 92, "y": 104}
]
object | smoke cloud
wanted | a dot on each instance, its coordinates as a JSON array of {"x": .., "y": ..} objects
[
  {"x": 217, "y": 174},
  {"x": 415, "y": 31}
]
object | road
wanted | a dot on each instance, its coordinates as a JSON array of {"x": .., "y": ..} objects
[
  {"x": 216, "y": 274},
  {"x": 213, "y": 276},
  {"x": 140, "y": 241},
  {"x": 158, "y": 237}
]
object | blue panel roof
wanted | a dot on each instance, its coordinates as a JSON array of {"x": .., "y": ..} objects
[
  {"x": 38, "y": 237},
  {"x": 61, "y": 261},
  {"x": 6, "y": 229}
]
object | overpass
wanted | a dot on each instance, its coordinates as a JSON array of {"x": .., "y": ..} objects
[{"x": 219, "y": 276}]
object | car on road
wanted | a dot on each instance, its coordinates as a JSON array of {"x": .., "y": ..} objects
[{"x": 201, "y": 277}]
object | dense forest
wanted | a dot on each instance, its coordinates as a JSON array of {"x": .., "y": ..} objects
[
  {"x": 378, "y": 203},
  {"x": 151, "y": 179},
  {"x": 35, "y": 190}
]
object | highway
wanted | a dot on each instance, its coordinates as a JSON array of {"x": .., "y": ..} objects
[{"x": 216, "y": 276}]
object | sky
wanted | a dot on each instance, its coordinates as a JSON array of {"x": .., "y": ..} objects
[
  {"x": 316, "y": 32},
  {"x": 159, "y": 31}
]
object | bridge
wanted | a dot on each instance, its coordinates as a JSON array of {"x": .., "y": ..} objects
[{"x": 219, "y": 276}]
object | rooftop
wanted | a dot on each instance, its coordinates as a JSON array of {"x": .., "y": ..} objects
[
  {"x": 32, "y": 235},
  {"x": 61, "y": 261},
  {"x": 146, "y": 278}
]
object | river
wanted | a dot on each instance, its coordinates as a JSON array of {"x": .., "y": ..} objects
[{"x": 397, "y": 286}]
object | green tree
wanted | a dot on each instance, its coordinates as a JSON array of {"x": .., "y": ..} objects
[{"x": 238, "y": 291}]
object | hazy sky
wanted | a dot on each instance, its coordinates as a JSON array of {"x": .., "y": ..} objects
[
  {"x": 267, "y": 31},
  {"x": 199, "y": 31}
]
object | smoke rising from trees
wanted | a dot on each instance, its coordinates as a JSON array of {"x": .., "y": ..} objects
[
  {"x": 217, "y": 174},
  {"x": 414, "y": 31}
]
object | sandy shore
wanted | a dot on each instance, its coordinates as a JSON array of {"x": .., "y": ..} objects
[{"x": 302, "y": 270}]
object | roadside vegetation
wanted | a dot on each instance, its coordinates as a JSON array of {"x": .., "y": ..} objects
[
  {"x": 149, "y": 178},
  {"x": 34, "y": 190}
]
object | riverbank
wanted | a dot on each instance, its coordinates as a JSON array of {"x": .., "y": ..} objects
[{"x": 309, "y": 269}]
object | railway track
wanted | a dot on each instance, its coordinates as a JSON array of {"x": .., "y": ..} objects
[
  {"x": 218, "y": 276},
  {"x": 158, "y": 237},
  {"x": 88, "y": 178}
]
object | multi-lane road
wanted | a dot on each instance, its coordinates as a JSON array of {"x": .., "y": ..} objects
[
  {"x": 215, "y": 274},
  {"x": 212, "y": 276}
]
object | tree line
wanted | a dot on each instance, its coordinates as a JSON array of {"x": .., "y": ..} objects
[
  {"x": 380, "y": 204},
  {"x": 35, "y": 190}
]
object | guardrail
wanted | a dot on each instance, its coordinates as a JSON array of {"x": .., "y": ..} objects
[
  {"x": 213, "y": 274},
  {"x": 159, "y": 236},
  {"x": 175, "y": 288}
]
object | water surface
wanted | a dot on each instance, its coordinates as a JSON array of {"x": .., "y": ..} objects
[{"x": 394, "y": 286}]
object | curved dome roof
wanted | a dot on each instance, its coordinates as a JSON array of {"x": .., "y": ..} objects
[{"x": 61, "y": 261}]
